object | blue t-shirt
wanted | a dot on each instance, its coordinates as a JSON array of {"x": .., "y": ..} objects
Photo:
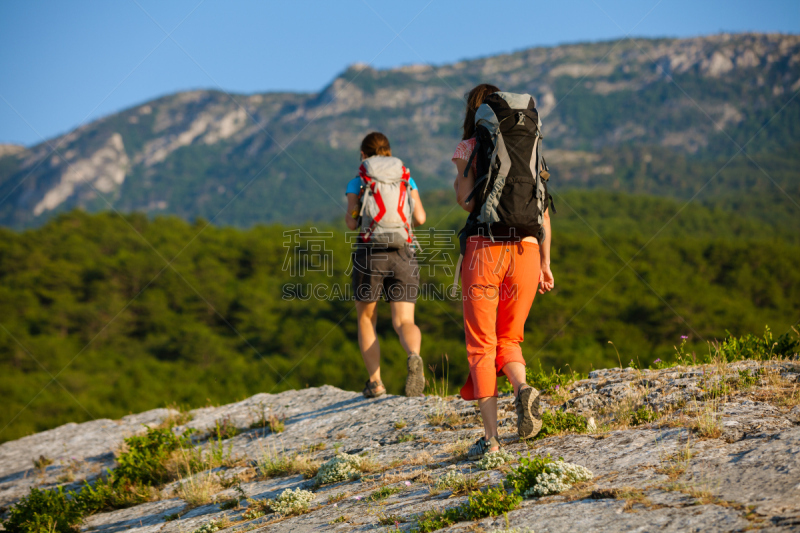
[{"x": 354, "y": 185}]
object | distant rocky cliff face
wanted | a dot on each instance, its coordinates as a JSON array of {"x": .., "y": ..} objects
[
  {"x": 206, "y": 153},
  {"x": 702, "y": 448}
]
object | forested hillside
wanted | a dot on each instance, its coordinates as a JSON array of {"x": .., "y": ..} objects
[
  {"x": 714, "y": 116},
  {"x": 92, "y": 301}
]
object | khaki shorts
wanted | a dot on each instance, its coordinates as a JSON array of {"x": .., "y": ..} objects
[{"x": 391, "y": 273}]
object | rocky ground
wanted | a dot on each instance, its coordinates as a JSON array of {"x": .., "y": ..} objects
[{"x": 723, "y": 454}]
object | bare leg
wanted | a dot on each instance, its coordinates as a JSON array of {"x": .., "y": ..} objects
[
  {"x": 368, "y": 339},
  {"x": 515, "y": 372},
  {"x": 488, "y": 408},
  {"x": 407, "y": 330}
]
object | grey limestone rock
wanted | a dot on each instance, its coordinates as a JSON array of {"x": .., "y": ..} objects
[{"x": 665, "y": 475}]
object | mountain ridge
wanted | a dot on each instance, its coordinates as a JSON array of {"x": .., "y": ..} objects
[{"x": 192, "y": 153}]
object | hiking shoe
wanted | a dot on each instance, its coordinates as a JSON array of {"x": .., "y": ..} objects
[
  {"x": 482, "y": 447},
  {"x": 529, "y": 421},
  {"x": 373, "y": 389},
  {"x": 415, "y": 380}
]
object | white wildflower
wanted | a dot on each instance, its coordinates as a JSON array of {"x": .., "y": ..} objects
[
  {"x": 494, "y": 459},
  {"x": 340, "y": 468},
  {"x": 558, "y": 477},
  {"x": 252, "y": 514},
  {"x": 208, "y": 527},
  {"x": 292, "y": 502},
  {"x": 451, "y": 480}
]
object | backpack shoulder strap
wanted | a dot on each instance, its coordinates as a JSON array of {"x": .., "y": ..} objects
[{"x": 407, "y": 197}]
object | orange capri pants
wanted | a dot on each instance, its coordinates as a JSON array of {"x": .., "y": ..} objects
[{"x": 499, "y": 282}]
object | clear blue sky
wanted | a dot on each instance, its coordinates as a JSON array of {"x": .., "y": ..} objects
[{"x": 63, "y": 63}]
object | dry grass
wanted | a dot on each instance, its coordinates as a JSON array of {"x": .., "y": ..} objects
[
  {"x": 276, "y": 464},
  {"x": 674, "y": 466},
  {"x": 316, "y": 447},
  {"x": 442, "y": 417},
  {"x": 421, "y": 458},
  {"x": 620, "y": 414},
  {"x": 424, "y": 478},
  {"x": 178, "y": 418},
  {"x": 333, "y": 498},
  {"x": 390, "y": 478},
  {"x": 368, "y": 465},
  {"x": 183, "y": 463},
  {"x": 782, "y": 393},
  {"x": 705, "y": 421},
  {"x": 199, "y": 489},
  {"x": 632, "y": 497},
  {"x": 472, "y": 482},
  {"x": 457, "y": 449},
  {"x": 703, "y": 495}
]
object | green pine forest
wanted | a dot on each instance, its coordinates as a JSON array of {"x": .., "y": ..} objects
[{"x": 109, "y": 315}]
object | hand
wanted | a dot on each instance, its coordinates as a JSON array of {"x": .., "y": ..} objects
[{"x": 546, "y": 281}]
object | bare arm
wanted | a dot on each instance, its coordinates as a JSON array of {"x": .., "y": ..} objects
[
  {"x": 463, "y": 185},
  {"x": 352, "y": 205},
  {"x": 546, "y": 281},
  {"x": 419, "y": 211}
]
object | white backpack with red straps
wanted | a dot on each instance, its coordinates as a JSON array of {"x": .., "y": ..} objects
[{"x": 386, "y": 204}]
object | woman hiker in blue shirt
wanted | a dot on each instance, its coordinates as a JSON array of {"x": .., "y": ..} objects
[{"x": 392, "y": 272}]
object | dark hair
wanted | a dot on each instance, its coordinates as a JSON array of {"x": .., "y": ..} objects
[
  {"x": 376, "y": 143},
  {"x": 474, "y": 100}
]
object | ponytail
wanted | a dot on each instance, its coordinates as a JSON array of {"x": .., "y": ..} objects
[{"x": 474, "y": 100}]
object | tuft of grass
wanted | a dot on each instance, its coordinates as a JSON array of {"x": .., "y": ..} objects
[
  {"x": 333, "y": 498},
  {"x": 227, "y": 505},
  {"x": 199, "y": 489},
  {"x": 557, "y": 422},
  {"x": 458, "y": 449},
  {"x": 458, "y": 483},
  {"x": 256, "y": 509},
  {"x": 553, "y": 382},
  {"x": 480, "y": 504},
  {"x": 439, "y": 388},
  {"x": 400, "y": 424},
  {"x": 225, "y": 429},
  {"x": 408, "y": 437},
  {"x": 339, "y": 520},
  {"x": 369, "y": 465},
  {"x": 674, "y": 466},
  {"x": 317, "y": 447},
  {"x": 441, "y": 417},
  {"x": 181, "y": 417},
  {"x": 42, "y": 462},
  {"x": 274, "y": 423},
  {"x": 278, "y": 465},
  {"x": 706, "y": 423},
  {"x": 390, "y": 520},
  {"x": 632, "y": 496},
  {"x": 384, "y": 492},
  {"x": 643, "y": 415},
  {"x": 418, "y": 459}
]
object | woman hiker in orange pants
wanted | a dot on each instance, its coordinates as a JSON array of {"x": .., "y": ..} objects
[{"x": 499, "y": 283}]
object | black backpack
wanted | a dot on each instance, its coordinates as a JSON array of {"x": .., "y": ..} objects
[{"x": 511, "y": 178}]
